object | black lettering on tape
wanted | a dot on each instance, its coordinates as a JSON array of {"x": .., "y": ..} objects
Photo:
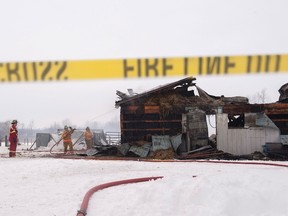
[
  {"x": 200, "y": 66},
  {"x": 13, "y": 71},
  {"x": 228, "y": 64},
  {"x": 61, "y": 71},
  {"x": 267, "y": 63},
  {"x": 185, "y": 66},
  {"x": 259, "y": 61},
  {"x": 1, "y": 66},
  {"x": 151, "y": 67},
  {"x": 46, "y": 70},
  {"x": 249, "y": 64},
  {"x": 212, "y": 63},
  {"x": 34, "y": 71},
  {"x": 166, "y": 67},
  {"x": 277, "y": 64},
  {"x": 139, "y": 67},
  {"x": 25, "y": 72},
  {"x": 127, "y": 68}
]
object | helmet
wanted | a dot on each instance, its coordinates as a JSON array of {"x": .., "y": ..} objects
[
  {"x": 14, "y": 122},
  {"x": 65, "y": 127}
]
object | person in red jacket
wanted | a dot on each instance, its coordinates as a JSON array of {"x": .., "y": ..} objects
[{"x": 13, "y": 138}]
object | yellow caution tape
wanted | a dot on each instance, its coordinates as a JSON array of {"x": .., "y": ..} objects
[{"x": 144, "y": 67}]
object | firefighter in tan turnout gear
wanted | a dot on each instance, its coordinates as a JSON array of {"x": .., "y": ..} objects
[
  {"x": 88, "y": 136},
  {"x": 67, "y": 140}
]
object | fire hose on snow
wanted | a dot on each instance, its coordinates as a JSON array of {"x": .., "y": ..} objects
[{"x": 84, "y": 205}]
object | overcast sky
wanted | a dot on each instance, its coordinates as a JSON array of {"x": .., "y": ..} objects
[{"x": 42, "y": 30}]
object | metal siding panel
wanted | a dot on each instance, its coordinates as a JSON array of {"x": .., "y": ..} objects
[
  {"x": 238, "y": 145},
  {"x": 231, "y": 140},
  {"x": 243, "y": 141},
  {"x": 272, "y": 135},
  {"x": 221, "y": 131}
]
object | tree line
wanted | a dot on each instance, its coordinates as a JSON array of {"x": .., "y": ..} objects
[{"x": 27, "y": 133}]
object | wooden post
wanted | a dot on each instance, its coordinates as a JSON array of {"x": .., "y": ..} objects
[{"x": 6, "y": 141}]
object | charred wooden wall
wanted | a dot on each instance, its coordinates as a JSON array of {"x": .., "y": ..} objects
[{"x": 140, "y": 122}]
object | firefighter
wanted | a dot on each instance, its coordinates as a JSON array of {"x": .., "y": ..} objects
[
  {"x": 67, "y": 140},
  {"x": 88, "y": 136},
  {"x": 13, "y": 138}
]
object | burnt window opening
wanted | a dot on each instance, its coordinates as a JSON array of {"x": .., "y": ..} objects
[{"x": 236, "y": 121}]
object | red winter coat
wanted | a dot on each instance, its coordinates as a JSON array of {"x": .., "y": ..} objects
[{"x": 13, "y": 134}]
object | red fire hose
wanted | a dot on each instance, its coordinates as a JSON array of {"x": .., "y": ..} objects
[
  {"x": 83, "y": 209},
  {"x": 84, "y": 205},
  {"x": 245, "y": 162}
]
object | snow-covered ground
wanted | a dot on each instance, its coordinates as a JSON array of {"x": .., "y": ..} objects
[{"x": 55, "y": 187}]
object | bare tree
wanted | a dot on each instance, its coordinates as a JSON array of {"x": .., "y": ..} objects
[
  {"x": 260, "y": 97},
  {"x": 31, "y": 125},
  {"x": 4, "y": 129},
  {"x": 54, "y": 127}
]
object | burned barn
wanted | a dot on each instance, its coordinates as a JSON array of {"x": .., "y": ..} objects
[{"x": 175, "y": 116}]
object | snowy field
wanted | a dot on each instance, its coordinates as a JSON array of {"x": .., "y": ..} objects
[{"x": 56, "y": 187}]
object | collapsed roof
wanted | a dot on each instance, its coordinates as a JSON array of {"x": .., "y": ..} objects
[
  {"x": 175, "y": 97},
  {"x": 176, "y": 94}
]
